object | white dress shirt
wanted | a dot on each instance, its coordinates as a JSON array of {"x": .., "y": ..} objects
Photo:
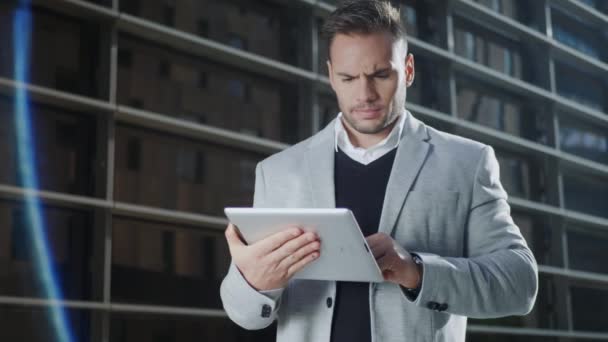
[{"x": 368, "y": 155}]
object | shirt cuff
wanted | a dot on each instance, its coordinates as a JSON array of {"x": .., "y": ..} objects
[{"x": 273, "y": 294}]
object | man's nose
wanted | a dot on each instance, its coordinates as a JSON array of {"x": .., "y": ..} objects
[{"x": 367, "y": 91}]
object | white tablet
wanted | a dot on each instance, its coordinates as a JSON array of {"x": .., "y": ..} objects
[{"x": 344, "y": 256}]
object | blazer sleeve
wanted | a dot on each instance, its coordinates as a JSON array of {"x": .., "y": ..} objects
[
  {"x": 244, "y": 305},
  {"x": 498, "y": 275}
]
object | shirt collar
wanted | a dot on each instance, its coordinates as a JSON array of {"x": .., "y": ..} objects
[{"x": 392, "y": 139}]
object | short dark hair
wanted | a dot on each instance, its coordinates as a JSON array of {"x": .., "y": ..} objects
[{"x": 363, "y": 17}]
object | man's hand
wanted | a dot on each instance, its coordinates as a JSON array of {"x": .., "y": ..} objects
[
  {"x": 395, "y": 262},
  {"x": 270, "y": 263}
]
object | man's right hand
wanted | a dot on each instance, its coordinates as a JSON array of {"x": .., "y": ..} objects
[{"x": 270, "y": 263}]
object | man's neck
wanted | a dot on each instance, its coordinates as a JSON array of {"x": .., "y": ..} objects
[{"x": 366, "y": 141}]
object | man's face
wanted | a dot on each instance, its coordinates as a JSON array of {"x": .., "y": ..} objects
[{"x": 370, "y": 74}]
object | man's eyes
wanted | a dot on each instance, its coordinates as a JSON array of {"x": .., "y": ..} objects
[{"x": 381, "y": 76}]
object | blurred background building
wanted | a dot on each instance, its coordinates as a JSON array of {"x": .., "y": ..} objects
[{"x": 150, "y": 116}]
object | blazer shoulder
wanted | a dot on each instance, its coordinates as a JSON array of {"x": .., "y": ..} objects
[
  {"x": 290, "y": 156},
  {"x": 455, "y": 143}
]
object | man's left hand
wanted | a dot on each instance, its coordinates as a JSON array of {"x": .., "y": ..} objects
[{"x": 396, "y": 263}]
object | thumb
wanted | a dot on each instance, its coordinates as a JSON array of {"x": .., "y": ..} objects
[{"x": 232, "y": 236}]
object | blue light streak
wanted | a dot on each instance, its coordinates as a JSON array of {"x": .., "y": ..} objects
[{"x": 25, "y": 149}]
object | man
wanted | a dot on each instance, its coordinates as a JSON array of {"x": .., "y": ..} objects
[{"x": 430, "y": 204}]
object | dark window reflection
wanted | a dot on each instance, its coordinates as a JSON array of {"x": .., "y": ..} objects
[
  {"x": 482, "y": 337},
  {"x": 501, "y": 111},
  {"x": 64, "y": 148},
  {"x": 34, "y": 324},
  {"x": 162, "y": 264},
  {"x": 550, "y": 303},
  {"x": 424, "y": 20},
  {"x": 577, "y": 34},
  {"x": 587, "y": 250},
  {"x": 586, "y": 194},
  {"x": 583, "y": 140},
  {"x": 64, "y": 51},
  {"x": 328, "y": 108},
  {"x": 154, "y": 78},
  {"x": 522, "y": 176},
  {"x": 580, "y": 87},
  {"x": 262, "y": 27},
  {"x": 600, "y": 5},
  {"x": 155, "y": 328},
  {"x": 589, "y": 308},
  {"x": 70, "y": 242},
  {"x": 172, "y": 172},
  {"x": 430, "y": 84},
  {"x": 485, "y": 47},
  {"x": 543, "y": 237}
]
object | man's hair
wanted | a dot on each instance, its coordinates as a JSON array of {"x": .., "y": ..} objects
[{"x": 363, "y": 17}]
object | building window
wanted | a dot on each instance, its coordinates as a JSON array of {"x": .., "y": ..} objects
[
  {"x": 168, "y": 251},
  {"x": 237, "y": 42},
  {"x": 589, "y": 308},
  {"x": 169, "y": 15},
  {"x": 505, "y": 7},
  {"x": 583, "y": 140},
  {"x": 501, "y": 111},
  {"x": 164, "y": 69},
  {"x": 191, "y": 166},
  {"x": 133, "y": 154},
  {"x": 125, "y": 58},
  {"x": 21, "y": 241},
  {"x": 578, "y": 35},
  {"x": 202, "y": 28},
  {"x": 587, "y": 250},
  {"x": 580, "y": 87},
  {"x": 586, "y": 194},
  {"x": 482, "y": 46},
  {"x": 67, "y": 80},
  {"x": 239, "y": 90},
  {"x": 136, "y": 103},
  {"x": 130, "y": 6},
  {"x": 202, "y": 80},
  {"x": 65, "y": 134}
]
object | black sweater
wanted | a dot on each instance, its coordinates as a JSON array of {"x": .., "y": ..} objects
[{"x": 360, "y": 188}]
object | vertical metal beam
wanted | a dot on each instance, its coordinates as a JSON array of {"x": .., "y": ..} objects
[{"x": 107, "y": 216}]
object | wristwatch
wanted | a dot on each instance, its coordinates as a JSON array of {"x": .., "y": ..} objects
[{"x": 412, "y": 293}]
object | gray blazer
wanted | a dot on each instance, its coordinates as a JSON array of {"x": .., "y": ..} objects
[{"x": 444, "y": 201}]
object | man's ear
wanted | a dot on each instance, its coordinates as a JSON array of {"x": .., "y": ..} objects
[
  {"x": 410, "y": 71},
  {"x": 331, "y": 74}
]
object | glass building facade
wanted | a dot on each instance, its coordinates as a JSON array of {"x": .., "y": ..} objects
[{"x": 148, "y": 118}]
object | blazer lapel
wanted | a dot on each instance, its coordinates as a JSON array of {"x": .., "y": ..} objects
[
  {"x": 411, "y": 155},
  {"x": 320, "y": 164}
]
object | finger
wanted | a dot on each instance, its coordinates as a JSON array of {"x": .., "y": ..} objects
[
  {"x": 290, "y": 247},
  {"x": 389, "y": 275},
  {"x": 385, "y": 262},
  {"x": 232, "y": 236},
  {"x": 269, "y": 244},
  {"x": 377, "y": 239},
  {"x": 379, "y": 249},
  {"x": 296, "y": 256},
  {"x": 293, "y": 269},
  {"x": 373, "y": 239}
]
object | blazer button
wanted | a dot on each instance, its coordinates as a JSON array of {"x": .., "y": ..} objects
[
  {"x": 443, "y": 307},
  {"x": 329, "y": 302},
  {"x": 266, "y": 310},
  {"x": 433, "y": 305}
]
